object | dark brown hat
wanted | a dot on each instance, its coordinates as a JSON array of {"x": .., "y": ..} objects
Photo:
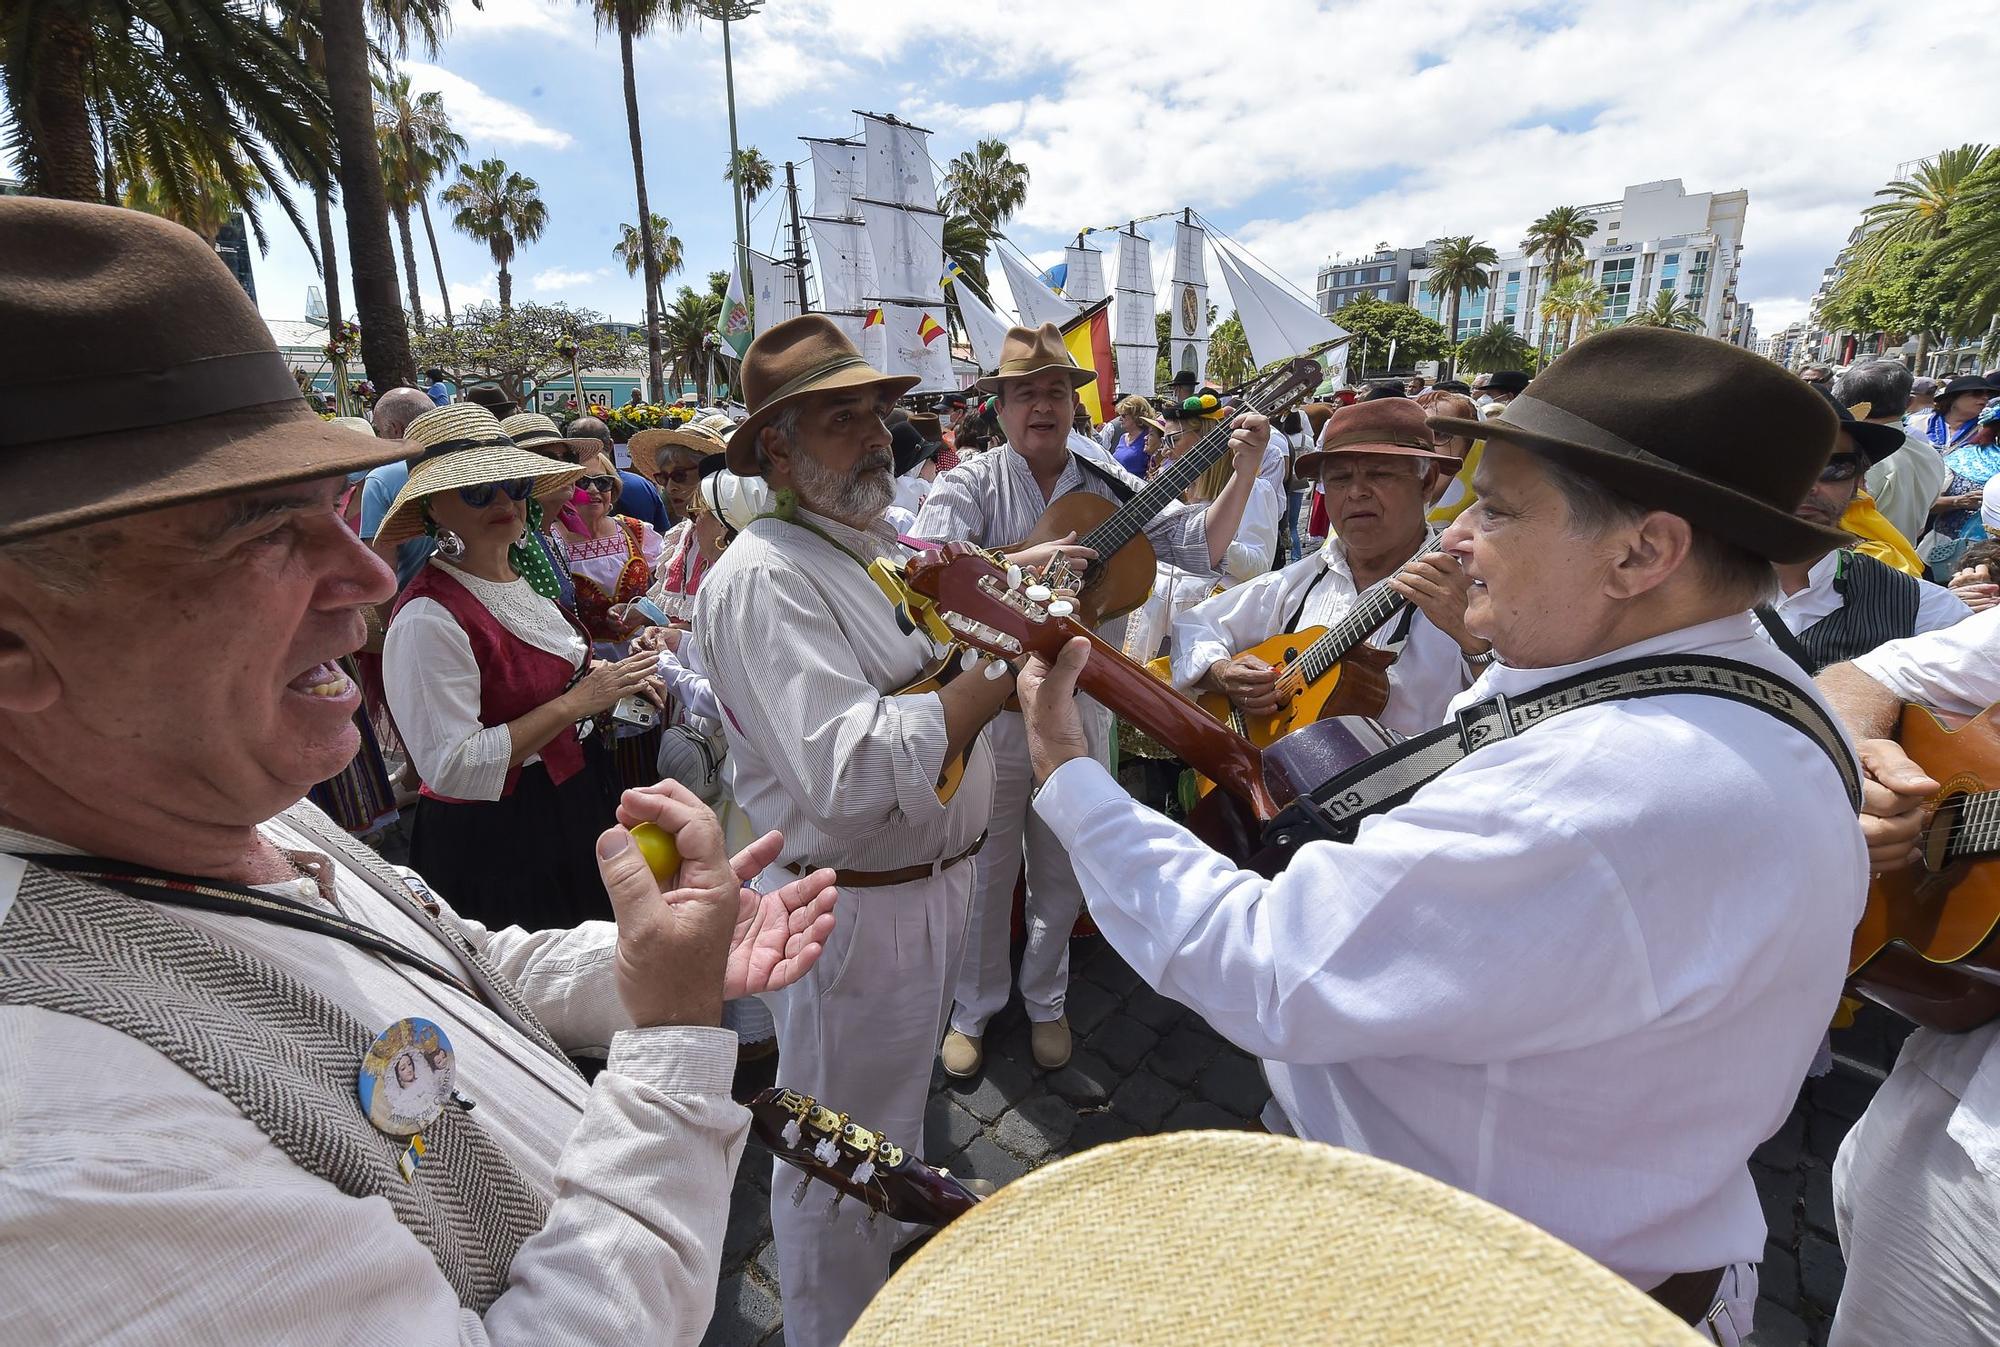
[
  {"x": 135, "y": 374},
  {"x": 1384, "y": 426},
  {"x": 807, "y": 354},
  {"x": 1673, "y": 421},
  {"x": 493, "y": 400}
]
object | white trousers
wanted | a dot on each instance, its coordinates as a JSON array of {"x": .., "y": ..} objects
[
  {"x": 859, "y": 1033},
  {"x": 1919, "y": 1226},
  {"x": 1054, "y": 896}
]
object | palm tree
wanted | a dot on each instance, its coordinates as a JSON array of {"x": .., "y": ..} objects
[
  {"x": 502, "y": 210},
  {"x": 1917, "y": 209},
  {"x": 1572, "y": 301},
  {"x": 633, "y": 19},
  {"x": 1229, "y": 359},
  {"x": 630, "y": 249},
  {"x": 1494, "y": 348},
  {"x": 686, "y": 328},
  {"x": 985, "y": 183},
  {"x": 751, "y": 172},
  {"x": 1668, "y": 309},
  {"x": 418, "y": 146},
  {"x": 1557, "y": 238},
  {"x": 965, "y": 242},
  {"x": 1458, "y": 266},
  {"x": 1968, "y": 255}
]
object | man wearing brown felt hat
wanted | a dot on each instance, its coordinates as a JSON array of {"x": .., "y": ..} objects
[
  {"x": 194, "y": 962},
  {"x": 1584, "y": 941}
]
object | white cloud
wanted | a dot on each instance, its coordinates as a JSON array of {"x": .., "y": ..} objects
[
  {"x": 562, "y": 278},
  {"x": 478, "y": 115},
  {"x": 551, "y": 18},
  {"x": 484, "y": 290}
]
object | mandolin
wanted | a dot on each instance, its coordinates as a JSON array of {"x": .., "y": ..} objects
[
  {"x": 854, "y": 1161},
  {"x": 1925, "y": 945},
  {"x": 1122, "y": 576},
  {"x": 1322, "y": 672}
]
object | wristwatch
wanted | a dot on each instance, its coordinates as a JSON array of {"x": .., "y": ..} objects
[{"x": 1480, "y": 660}]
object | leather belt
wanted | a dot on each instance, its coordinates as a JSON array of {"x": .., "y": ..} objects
[
  {"x": 1689, "y": 1296},
  {"x": 882, "y": 879}
]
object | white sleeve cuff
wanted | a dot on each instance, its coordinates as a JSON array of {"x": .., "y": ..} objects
[{"x": 1073, "y": 792}]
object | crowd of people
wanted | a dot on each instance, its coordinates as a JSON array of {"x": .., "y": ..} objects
[{"x": 1579, "y": 965}]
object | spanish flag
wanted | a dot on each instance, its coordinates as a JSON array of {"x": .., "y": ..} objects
[
  {"x": 874, "y": 319},
  {"x": 1088, "y": 338},
  {"x": 929, "y": 330}
]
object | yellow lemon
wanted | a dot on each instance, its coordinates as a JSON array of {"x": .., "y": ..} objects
[{"x": 656, "y": 844}]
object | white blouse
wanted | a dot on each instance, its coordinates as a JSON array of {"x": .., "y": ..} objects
[{"x": 432, "y": 682}]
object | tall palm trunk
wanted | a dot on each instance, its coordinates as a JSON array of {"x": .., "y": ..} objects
[
  {"x": 329, "y": 261},
  {"x": 506, "y": 290},
  {"x": 410, "y": 265},
  {"x": 1451, "y": 338},
  {"x": 654, "y": 380},
  {"x": 1923, "y": 349},
  {"x": 378, "y": 301},
  {"x": 58, "y": 134},
  {"x": 437, "y": 259}
]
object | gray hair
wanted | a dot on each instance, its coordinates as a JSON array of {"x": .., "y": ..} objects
[
  {"x": 786, "y": 423},
  {"x": 395, "y": 409},
  {"x": 1728, "y": 569},
  {"x": 1883, "y": 384},
  {"x": 68, "y": 562}
]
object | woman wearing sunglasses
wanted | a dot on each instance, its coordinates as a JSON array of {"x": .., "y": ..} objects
[
  {"x": 487, "y": 679},
  {"x": 610, "y": 556}
]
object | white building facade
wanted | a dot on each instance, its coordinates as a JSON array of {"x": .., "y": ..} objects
[{"x": 1656, "y": 238}]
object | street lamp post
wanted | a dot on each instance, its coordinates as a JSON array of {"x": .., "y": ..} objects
[{"x": 729, "y": 11}]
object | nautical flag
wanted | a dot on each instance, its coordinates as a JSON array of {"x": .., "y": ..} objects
[
  {"x": 1088, "y": 340},
  {"x": 929, "y": 330},
  {"x": 874, "y": 319},
  {"x": 1055, "y": 276},
  {"x": 952, "y": 271},
  {"x": 733, "y": 323}
]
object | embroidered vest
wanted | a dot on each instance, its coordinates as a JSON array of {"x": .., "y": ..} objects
[
  {"x": 593, "y": 604},
  {"x": 1878, "y": 603},
  {"x": 281, "y": 1052},
  {"x": 514, "y": 677}
]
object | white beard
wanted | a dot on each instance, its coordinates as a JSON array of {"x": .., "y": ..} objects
[{"x": 857, "y": 498}]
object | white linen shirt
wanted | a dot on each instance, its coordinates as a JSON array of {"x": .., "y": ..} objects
[
  {"x": 1581, "y": 974},
  {"x": 139, "y": 1206},
  {"x": 1425, "y": 677},
  {"x": 1936, "y": 606},
  {"x": 1907, "y": 482},
  {"x": 1956, "y": 671},
  {"x": 432, "y": 683}
]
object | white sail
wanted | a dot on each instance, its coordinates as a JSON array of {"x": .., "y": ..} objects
[
  {"x": 846, "y": 266},
  {"x": 985, "y": 329},
  {"x": 908, "y": 248},
  {"x": 898, "y": 165},
  {"x": 1035, "y": 302},
  {"x": 1276, "y": 323},
  {"x": 912, "y": 340},
  {"x": 837, "y": 175},
  {"x": 1084, "y": 283},
  {"x": 1135, "y": 339},
  {"x": 774, "y": 291},
  {"x": 1188, "y": 347}
]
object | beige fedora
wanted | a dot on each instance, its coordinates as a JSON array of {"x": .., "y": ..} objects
[
  {"x": 135, "y": 374},
  {"x": 803, "y": 355},
  {"x": 701, "y": 437},
  {"x": 1197, "y": 1238},
  {"x": 461, "y": 445},
  {"x": 1030, "y": 350}
]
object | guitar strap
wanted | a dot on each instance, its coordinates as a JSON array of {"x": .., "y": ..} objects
[
  {"x": 1335, "y": 809},
  {"x": 1105, "y": 475}
]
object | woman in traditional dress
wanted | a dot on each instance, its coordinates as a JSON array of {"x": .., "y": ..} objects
[
  {"x": 1972, "y": 456},
  {"x": 488, "y": 679},
  {"x": 671, "y": 458}
]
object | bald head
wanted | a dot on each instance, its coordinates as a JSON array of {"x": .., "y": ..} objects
[
  {"x": 589, "y": 428},
  {"x": 395, "y": 409}
]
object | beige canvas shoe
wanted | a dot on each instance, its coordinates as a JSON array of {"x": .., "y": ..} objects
[
  {"x": 1050, "y": 1042},
  {"x": 962, "y": 1055}
]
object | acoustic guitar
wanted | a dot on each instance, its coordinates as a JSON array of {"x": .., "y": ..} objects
[
  {"x": 854, "y": 1162},
  {"x": 1322, "y": 672},
  {"x": 1122, "y": 576},
  {"x": 1925, "y": 945}
]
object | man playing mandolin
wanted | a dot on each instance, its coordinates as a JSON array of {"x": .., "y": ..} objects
[
  {"x": 1376, "y": 462},
  {"x": 1582, "y": 968},
  {"x": 996, "y": 500}
]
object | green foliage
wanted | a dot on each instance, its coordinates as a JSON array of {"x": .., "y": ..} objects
[
  {"x": 1558, "y": 237},
  {"x": 1458, "y": 266},
  {"x": 1495, "y": 348},
  {"x": 501, "y": 209},
  {"x": 511, "y": 347},
  {"x": 666, "y": 250},
  {"x": 1570, "y": 307},
  {"x": 1375, "y": 323},
  {"x": 1967, "y": 255},
  {"x": 1905, "y": 291},
  {"x": 1669, "y": 308},
  {"x": 751, "y": 171},
  {"x": 1229, "y": 361},
  {"x": 687, "y": 332},
  {"x": 985, "y": 183}
]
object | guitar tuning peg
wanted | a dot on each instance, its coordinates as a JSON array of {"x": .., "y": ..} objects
[
  {"x": 826, "y": 1152},
  {"x": 1039, "y": 593},
  {"x": 799, "y": 1193},
  {"x": 833, "y": 1206},
  {"x": 968, "y": 661},
  {"x": 1061, "y": 608},
  {"x": 866, "y": 1222},
  {"x": 864, "y": 1172},
  {"x": 1013, "y": 576},
  {"x": 994, "y": 670},
  {"x": 791, "y": 1134}
]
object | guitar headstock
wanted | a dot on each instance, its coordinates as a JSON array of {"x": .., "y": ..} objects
[
  {"x": 854, "y": 1161},
  {"x": 1284, "y": 388},
  {"x": 991, "y": 605}
]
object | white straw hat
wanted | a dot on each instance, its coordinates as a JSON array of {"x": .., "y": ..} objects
[{"x": 462, "y": 445}]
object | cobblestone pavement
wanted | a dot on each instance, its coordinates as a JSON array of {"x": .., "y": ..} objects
[{"x": 1144, "y": 1064}]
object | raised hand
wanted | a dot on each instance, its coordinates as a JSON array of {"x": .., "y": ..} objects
[
  {"x": 1048, "y": 700},
  {"x": 1435, "y": 583}
]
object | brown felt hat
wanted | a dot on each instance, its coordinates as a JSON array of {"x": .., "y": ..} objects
[
  {"x": 1384, "y": 426},
  {"x": 135, "y": 374},
  {"x": 1687, "y": 424},
  {"x": 1030, "y": 350},
  {"x": 800, "y": 356}
]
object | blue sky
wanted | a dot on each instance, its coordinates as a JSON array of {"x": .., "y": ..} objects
[{"x": 1305, "y": 130}]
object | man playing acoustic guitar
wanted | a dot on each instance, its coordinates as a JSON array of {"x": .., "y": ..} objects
[{"x": 1376, "y": 462}]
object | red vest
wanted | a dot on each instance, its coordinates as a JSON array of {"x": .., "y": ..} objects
[{"x": 514, "y": 677}]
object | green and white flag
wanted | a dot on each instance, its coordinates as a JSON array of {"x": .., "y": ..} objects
[{"x": 733, "y": 324}]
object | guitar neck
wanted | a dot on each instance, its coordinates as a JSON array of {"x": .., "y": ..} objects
[
  {"x": 1978, "y": 832},
  {"x": 1130, "y": 518},
  {"x": 1374, "y": 606}
]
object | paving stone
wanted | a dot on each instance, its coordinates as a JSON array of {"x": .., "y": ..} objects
[
  {"x": 1087, "y": 1081},
  {"x": 1158, "y": 1013},
  {"x": 766, "y": 1265},
  {"x": 749, "y": 1217},
  {"x": 1843, "y": 1092},
  {"x": 1778, "y": 1275},
  {"x": 1236, "y": 1082},
  {"x": 745, "y": 1313},
  {"x": 948, "y": 1128},
  {"x": 1820, "y": 1272},
  {"x": 1777, "y": 1327},
  {"x": 1036, "y": 1128},
  {"x": 1099, "y": 1129},
  {"x": 1819, "y": 1199},
  {"x": 1824, "y": 1133},
  {"x": 1784, "y": 1147},
  {"x": 996, "y": 1089},
  {"x": 1198, "y": 1115},
  {"x": 1180, "y": 1056},
  {"x": 1123, "y": 1042},
  {"x": 1778, "y": 1191},
  {"x": 1145, "y": 1100},
  {"x": 1087, "y": 1006},
  {"x": 1115, "y": 975},
  {"x": 984, "y": 1160}
]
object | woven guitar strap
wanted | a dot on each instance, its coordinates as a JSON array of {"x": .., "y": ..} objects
[{"x": 283, "y": 1054}]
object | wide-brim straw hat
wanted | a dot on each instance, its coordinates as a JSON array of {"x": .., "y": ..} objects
[
  {"x": 531, "y": 430},
  {"x": 1198, "y": 1238},
  {"x": 462, "y": 445},
  {"x": 135, "y": 374},
  {"x": 1385, "y": 426},
  {"x": 1030, "y": 350},
  {"x": 700, "y": 437},
  {"x": 1687, "y": 424},
  {"x": 796, "y": 359}
]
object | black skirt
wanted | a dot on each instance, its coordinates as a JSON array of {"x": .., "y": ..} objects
[{"x": 528, "y": 860}]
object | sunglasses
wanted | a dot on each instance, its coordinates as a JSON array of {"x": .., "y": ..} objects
[
  {"x": 597, "y": 483},
  {"x": 1842, "y": 468},
  {"x": 481, "y": 496},
  {"x": 684, "y": 473}
]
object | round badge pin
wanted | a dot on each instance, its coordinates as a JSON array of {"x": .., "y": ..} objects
[{"x": 406, "y": 1078}]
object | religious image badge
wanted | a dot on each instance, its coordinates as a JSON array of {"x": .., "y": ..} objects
[{"x": 405, "y": 1082}]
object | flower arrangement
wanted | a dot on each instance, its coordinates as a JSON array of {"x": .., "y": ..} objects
[
  {"x": 626, "y": 422},
  {"x": 341, "y": 340}
]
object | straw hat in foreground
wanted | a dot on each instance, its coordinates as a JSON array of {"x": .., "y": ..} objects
[{"x": 462, "y": 445}]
